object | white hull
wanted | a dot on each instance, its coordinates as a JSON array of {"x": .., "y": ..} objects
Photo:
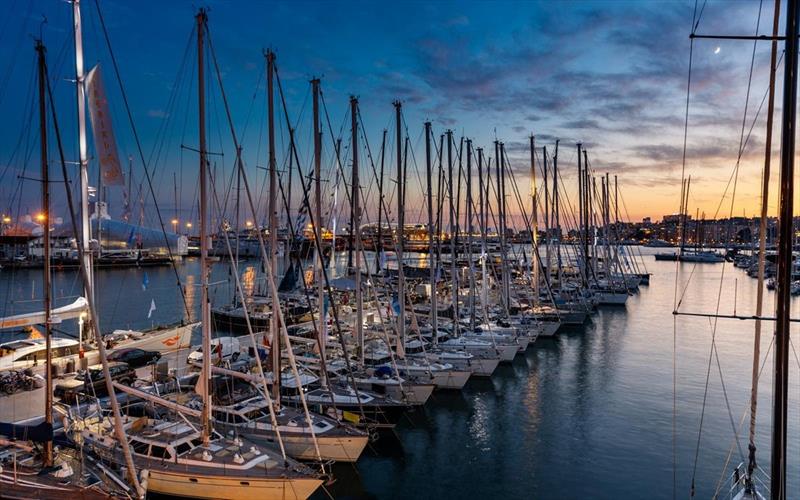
[
  {"x": 451, "y": 379},
  {"x": 612, "y": 298},
  {"x": 301, "y": 447}
]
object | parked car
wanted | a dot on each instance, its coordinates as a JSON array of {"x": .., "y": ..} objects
[
  {"x": 222, "y": 349},
  {"x": 135, "y": 357},
  {"x": 92, "y": 381}
]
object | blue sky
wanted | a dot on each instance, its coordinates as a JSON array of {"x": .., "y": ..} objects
[{"x": 611, "y": 74}]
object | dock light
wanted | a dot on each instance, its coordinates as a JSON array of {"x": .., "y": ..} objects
[
  {"x": 6, "y": 219},
  {"x": 41, "y": 217},
  {"x": 248, "y": 224},
  {"x": 175, "y": 222},
  {"x": 188, "y": 224}
]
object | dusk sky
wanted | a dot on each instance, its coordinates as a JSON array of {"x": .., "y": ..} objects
[{"x": 611, "y": 74}]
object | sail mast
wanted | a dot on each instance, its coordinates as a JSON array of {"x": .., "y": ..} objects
[
  {"x": 534, "y": 225},
  {"x": 762, "y": 241},
  {"x": 784, "y": 264},
  {"x": 275, "y": 347},
  {"x": 401, "y": 279},
  {"x": 431, "y": 250},
  {"x": 469, "y": 236},
  {"x": 319, "y": 277},
  {"x": 48, "y": 402},
  {"x": 355, "y": 230},
  {"x": 453, "y": 269},
  {"x": 82, "y": 151},
  {"x": 205, "y": 315},
  {"x": 379, "y": 243}
]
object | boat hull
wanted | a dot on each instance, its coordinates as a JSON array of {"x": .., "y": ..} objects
[
  {"x": 301, "y": 447},
  {"x": 229, "y": 488}
]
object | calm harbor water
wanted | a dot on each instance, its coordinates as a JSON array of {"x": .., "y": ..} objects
[{"x": 588, "y": 414}]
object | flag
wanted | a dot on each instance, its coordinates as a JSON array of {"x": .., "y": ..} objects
[
  {"x": 152, "y": 308},
  {"x": 104, "y": 142},
  {"x": 145, "y": 282}
]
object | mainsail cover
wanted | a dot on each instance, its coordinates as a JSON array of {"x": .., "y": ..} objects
[
  {"x": 104, "y": 142},
  {"x": 57, "y": 315}
]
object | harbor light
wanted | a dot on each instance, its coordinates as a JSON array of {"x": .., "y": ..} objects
[
  {"x": 188, "y": 225},
  {"x": 6, "y": 219},
  {"x": 248, "y": 224},
  {"x": 40, "y": 217}
]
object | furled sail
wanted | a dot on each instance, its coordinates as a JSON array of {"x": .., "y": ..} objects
[{"x": 57, "y": 315}]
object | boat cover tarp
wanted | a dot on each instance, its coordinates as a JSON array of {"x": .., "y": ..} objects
[{"x": 37, "y": 433}]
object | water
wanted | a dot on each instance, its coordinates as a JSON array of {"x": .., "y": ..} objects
[{"x": 588, "y": 414}]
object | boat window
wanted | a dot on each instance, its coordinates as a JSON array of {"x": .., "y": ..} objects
[
  {"x": 159, "y": 452},
  {"x": 139, "y": 447},
  {"x": 183, "y": 448}
]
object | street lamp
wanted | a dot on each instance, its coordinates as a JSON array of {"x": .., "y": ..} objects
[{"x": 174, "y": 225}]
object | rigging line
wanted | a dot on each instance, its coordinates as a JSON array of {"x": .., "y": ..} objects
[{"x": 141, "y": 152}]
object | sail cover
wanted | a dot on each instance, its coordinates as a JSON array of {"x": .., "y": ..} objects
[
  {"x": 57, "y": 315},
  {"x": 104, "y": 142}
]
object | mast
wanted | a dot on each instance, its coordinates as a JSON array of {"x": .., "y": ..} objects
[
  {"x": 319, "y": 278},
  {"x": 275, "y": 347},
  {"x": 434, "y": 264},
  {"x": 546, "y": 213},
  {"x": 453, "y": 268},
  {"x": 784, "y": 264},
  {"x": 535, "y": 225},
  {"x": 583, "y": 233},
  {"x": 355, "y": 231},
  {"x": 48, "y": 401},
  {"x": 83, "y": 154},
  {"x": 500, "y": 231},
  {"x": 586, "y": 206},
  {"x": 483, "y": 202},
  {"x": 205, "y": 315},
  {"x": 469, "y": 236},
  {"x": 503, "y": 224},
  {"x": 401, "y": 189},
  {"x": 379, "y": 244},
  {"x": 762, "y": 241},
  {"x": 556, "y": 217}
]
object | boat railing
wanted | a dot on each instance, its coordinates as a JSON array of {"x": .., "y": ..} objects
[{"x": 740, "y": 486}]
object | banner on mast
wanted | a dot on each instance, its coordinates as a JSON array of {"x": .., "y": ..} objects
[{"x": 104, "y": 142}]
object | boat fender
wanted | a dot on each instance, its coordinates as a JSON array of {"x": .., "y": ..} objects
[
  {"x": 237, "y": 442},
  {"x": 238, "y": 459},
  {"x": 207, "y": 456},
  {"x": 255, "y": 451},
  {"x": 144, "y": 477}
]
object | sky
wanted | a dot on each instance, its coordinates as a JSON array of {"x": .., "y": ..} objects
[{"x": 610, "y": 74}]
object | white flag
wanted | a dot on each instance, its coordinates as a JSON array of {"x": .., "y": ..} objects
[{"x": 152, "y": 307}]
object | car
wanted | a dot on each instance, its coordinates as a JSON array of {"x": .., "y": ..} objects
[
  {"x": 135, "y": 357},
  {"x": 92, "y": 381}
]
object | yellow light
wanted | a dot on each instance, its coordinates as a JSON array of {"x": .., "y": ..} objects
[
  {"x": 174, "y": 222},
  {"x": 188, "y": 224},
  {"x": 248, "y": 224},
  {"x": 6, "y": 219},
  {"x": 41, "y": 217}
]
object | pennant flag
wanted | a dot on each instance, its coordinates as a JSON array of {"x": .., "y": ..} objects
[
  {"x": 152, "y": 308},
  {"x": 145, "y": 281},
  {"x": 104, "y": 142}
]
